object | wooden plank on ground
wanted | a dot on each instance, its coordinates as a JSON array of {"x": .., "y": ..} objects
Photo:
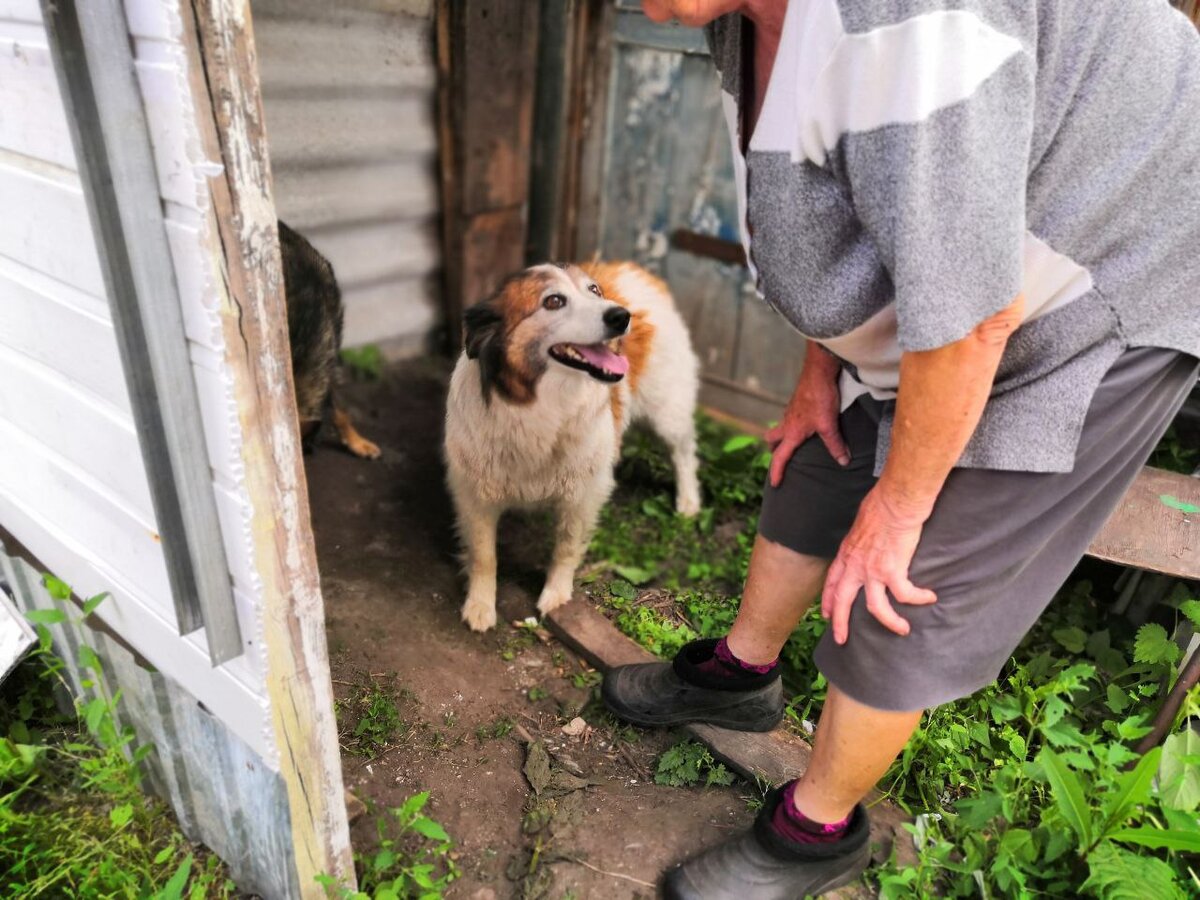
[
  {"x": 1156, "y": 527},
  {"x": 776, "y": 756}
]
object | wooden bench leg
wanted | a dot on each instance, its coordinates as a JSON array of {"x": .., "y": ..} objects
[{"x": 1170, "y": 708}]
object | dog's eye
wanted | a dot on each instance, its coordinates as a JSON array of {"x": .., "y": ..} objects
[
  {"x": 595, "y": 289},
  {"x": 554, "y": 301}
]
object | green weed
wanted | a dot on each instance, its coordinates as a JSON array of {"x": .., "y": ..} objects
[
  {"x": 502, "y": 727},
  {"x": 74, "y": 821},
  {"x": 995, "y": 780},
  {"x": 689, "y": 763},
  {"x": 1175, "y": 454},
  {"x": 365, "y": 363},
  {"x": 369, "y": 720},
  {"x": 413, "y": 858}
]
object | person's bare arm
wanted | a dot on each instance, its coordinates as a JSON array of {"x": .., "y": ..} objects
[{"x": 940, "y": 399}]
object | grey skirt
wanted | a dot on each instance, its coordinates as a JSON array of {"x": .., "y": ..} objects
[{"x": 996, "y": 549}]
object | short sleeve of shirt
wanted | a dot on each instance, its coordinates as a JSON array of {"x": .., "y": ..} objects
[{"x": 929, "y": 119}]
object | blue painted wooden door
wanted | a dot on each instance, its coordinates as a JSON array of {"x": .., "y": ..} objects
[{"x": 667, "y": 166}]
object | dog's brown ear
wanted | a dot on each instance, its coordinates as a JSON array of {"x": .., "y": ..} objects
[{"x": 483, "y": 326}]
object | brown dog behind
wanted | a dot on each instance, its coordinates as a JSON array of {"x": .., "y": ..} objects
[{"x": 315, "y": 313}]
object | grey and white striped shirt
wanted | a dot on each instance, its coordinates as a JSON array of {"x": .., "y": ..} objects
[{"x": 919, "y": 163}]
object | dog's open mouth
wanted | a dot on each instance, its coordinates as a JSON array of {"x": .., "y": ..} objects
[{"x": 603, "y": 361}]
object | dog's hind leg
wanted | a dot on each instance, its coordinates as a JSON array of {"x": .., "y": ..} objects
[
  {"x": 477, "y": 527},
  {"x": 351, "y": 439},
  {"x": 576, "y": 522},
  {"x": 680, "y": 436}
]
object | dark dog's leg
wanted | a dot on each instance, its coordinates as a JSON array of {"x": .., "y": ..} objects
[
  {"x": 310, "y": 430},
  {"x": 350, "y": 438}
]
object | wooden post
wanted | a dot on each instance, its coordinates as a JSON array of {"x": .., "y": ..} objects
[
  {"x": 242, "y": 221},
  {"x": 487, "y": 55}
]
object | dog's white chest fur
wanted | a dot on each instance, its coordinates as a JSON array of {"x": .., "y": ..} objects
[{"x": 546, "y": 451}]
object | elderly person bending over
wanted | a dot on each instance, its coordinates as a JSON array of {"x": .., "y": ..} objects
[{"x": 984, "y": 215}]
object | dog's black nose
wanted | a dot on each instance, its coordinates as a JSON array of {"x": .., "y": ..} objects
[{"x": 617, "y": 319}]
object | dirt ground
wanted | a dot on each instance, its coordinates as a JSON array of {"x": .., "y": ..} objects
[{"x": 392, "y": 590}]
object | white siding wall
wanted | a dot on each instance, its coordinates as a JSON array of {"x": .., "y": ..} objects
[
  {"x": 72, "y": 485},
  {"x": 349, "y": 96}
]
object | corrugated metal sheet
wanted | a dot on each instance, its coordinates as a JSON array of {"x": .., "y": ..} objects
[{"x": 349, "y": 96}]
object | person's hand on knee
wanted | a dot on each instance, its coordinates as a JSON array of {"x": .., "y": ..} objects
[{"x": 875, "y": 557}]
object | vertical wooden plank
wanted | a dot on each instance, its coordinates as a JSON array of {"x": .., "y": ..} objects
[
  {"x": 487, "y": 57},
  {"x": 448, "y": 166},
  {"x": 583, "y": 229},
  {"x": 91, "y": 50},
  {"x": 495, "y": 73},
  {"x": 242, "y": 220},
  {"x": 549, "y": 155}
]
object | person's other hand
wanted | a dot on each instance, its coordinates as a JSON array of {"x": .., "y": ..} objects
[
  {"x": 694, "y": 13},
  {"x": 813, "y": 409},
  {"x": 875, "y": 557}
]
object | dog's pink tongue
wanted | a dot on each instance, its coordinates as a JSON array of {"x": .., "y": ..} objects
[{"x": 602, "y": 358}]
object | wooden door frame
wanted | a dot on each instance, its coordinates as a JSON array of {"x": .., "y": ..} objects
[{"x": 225, "y": 85}]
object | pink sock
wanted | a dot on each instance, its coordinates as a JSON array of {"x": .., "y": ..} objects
[
  {"x": 791, "y": 824},
  {"x": 723, "y": 663}
]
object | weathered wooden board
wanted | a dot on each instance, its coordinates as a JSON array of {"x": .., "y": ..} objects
[
  {"x": 1150, "y": 532},
  {"x": 494, "y": 74},
  {"x": 653, "y": 182},
  {"x": 244, "y": 242},
  {"x": 776, "y": 756}
]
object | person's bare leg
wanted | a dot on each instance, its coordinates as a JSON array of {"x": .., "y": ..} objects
[
  {"x": 853, "y": 747},
  {"x": 780, "y": 587}
]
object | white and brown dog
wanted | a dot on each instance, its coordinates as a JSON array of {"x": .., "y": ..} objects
[{"x": 557, "y": 364}]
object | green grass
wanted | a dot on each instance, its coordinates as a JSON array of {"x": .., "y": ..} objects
[
  {"x": 1027, "y": 787},
  {"x": 369, "y": 719},
  {"x": 74, "y": 821},
  {"x": 364, "y": 363}
]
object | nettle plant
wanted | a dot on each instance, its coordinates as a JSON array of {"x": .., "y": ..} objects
[{"x": 1031, "y": 786}]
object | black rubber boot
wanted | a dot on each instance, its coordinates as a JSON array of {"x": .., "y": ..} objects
[
  {"x": 762, "y": 865},
  {"x": 677, "y": 693}
]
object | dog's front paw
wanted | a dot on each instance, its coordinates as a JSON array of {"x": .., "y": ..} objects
[
  {"x": 688, "y": 504},
  {"x": 553, "y": 596},
  {"x": 362, "y": 448},
  {"x": 479, "y": 612}
]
